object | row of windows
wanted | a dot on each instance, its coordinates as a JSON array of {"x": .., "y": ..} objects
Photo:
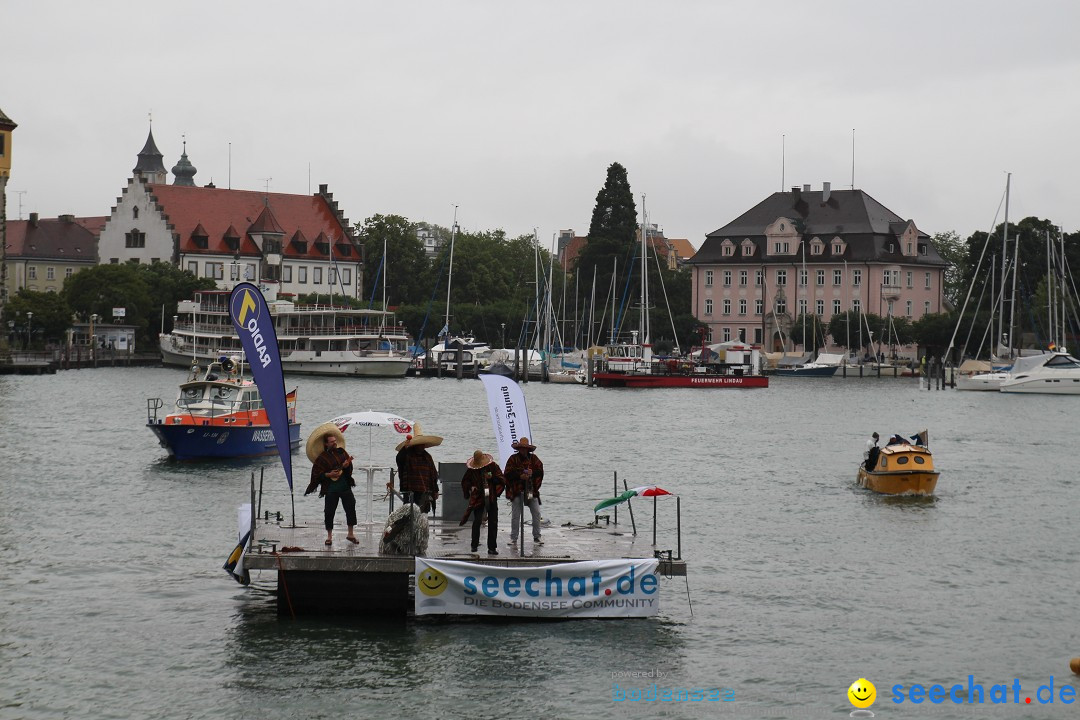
[
  {"x": 739, "y": 333},
  {"x": 50, "y": 273},
  {"x": 890, "y": 278},
  {"x": 216, "y": 271},
  {"x": 781, "y": 307}
]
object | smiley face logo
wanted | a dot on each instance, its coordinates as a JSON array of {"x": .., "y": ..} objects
[
  {"x": 431, "y": 582},
  {"x": 862, "y": 693}
]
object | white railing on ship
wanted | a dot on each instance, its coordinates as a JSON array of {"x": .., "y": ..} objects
[{"x": 299, "y": 331}]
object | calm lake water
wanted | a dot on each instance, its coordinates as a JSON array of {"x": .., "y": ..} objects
[{"x": 115, "y": 606}]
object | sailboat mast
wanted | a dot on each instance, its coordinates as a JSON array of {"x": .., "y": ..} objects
[
  {"x": 643, "y": 314},
  {"x": 1004, "y": 264},
  {"x": 614, "y": 274},
  {"x": 592, "y": 315},
  {"x": 1062, "y": 287},
  {"x": 807, "y": 306},
  {"x": 449, "y": 278},
  {"x": 1012, "y": 296}
]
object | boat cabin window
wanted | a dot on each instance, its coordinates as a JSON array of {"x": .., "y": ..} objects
[
  {"x": 1060, "y": 362},
  {"x": 901, "y": 460},
  {"x": 919, "y": 460},
  {"x": 224, "y": 393},
  {"x": 192, "y": 394},
  {"x": 884, "y": 462}
]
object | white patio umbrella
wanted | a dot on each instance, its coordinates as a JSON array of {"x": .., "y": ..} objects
[{"x": 373, "y": 419}]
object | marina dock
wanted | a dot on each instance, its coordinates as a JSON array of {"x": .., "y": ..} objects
[{"x": 347, "y": 578}]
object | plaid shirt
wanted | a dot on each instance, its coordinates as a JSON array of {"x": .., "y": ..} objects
[{"x": 417, "y": 471}]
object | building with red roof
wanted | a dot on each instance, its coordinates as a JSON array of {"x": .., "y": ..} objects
[
  {"x": 674, "y": 252},
  {"x": 284, "y": 243},
  {"x": 43, "y": 252}
]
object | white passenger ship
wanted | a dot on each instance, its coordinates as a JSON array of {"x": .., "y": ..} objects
[{"x": 312, "y": 339}]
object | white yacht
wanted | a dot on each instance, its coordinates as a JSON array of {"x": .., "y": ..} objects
[
  {"x": 312, "y": 339},
  {"x": 1056, "y": 373}
]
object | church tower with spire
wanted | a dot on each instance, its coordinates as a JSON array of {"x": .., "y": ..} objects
[
  {"x": 150, "y": 168},
  {"x": 184, "y": 171}
]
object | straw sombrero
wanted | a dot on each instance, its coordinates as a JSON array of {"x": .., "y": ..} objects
[
  {"x": 315, "y": 444},
  {"x": 478, "y": 460},
  {"x": 418, "y": 439},
  {"x": 523, "y": 443}
]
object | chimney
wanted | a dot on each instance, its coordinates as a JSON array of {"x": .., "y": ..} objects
[
  {"x": 323, "y": 189},
  {"x": 806, "y": 188},
  {"x": 33, "y": 219},
  {"x": 67, "y": 219},
  {"x": 826, "y": 191},
  {"x": 796, "y": 194}
]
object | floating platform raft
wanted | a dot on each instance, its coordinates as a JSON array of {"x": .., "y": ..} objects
[{"x": 354, "y": 579}]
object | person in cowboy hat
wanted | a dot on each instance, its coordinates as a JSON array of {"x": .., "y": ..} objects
[
  {"x": 482, "y": 484},
  {"x": 524, "y": 473},
  {"x": 331, "y": 472},
  {"x": 417, "y": 473}
]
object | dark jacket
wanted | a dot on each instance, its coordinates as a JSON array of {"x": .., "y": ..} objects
[
  {"x": 328, "y": 461},
  {"x": 515, "y": 483}
]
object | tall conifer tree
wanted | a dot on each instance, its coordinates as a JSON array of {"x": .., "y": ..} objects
[{"x": 612, "y": 230}]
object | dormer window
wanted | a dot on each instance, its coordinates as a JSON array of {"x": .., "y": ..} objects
[
  {"x": 747, "y": 248},
  {"x": 344, "y": 250},
  {"x": 838, "y": 248},
  {"x": 230, "y": 242},
  {"x": 909, "y": 249},
  {"x": 922, "y": 248}
]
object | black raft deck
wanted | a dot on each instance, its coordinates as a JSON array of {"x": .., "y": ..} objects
[{"x": 348, "y": 578}]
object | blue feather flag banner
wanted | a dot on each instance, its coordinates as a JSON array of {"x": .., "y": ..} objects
[
  {"x": 234, "y": 565},
  {"x": 251, "y": 317}
]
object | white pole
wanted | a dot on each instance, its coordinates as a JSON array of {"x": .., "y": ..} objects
[{"x": 449, "y": 278}]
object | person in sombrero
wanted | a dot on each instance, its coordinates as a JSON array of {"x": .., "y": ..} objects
[
  {"x": 482, "y": 484},
  {"x": 524, "y": 474},
  {"x": 417, "y": 473},
  {"x": 331, "y": 473}
]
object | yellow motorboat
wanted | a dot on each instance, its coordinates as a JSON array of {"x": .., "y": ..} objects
[{"x": 902, "y": 468}]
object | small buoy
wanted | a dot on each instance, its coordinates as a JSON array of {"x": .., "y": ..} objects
[{"x": 1075, "y": 665}]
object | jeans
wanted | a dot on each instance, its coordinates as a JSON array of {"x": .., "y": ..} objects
[
  {"x": 515, "y": 516},
  {"x": 493, "y": 526},
  {"x": 348, "y": 501}
]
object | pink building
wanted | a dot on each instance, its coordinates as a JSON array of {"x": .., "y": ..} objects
[{"x": 816, "y": 252}]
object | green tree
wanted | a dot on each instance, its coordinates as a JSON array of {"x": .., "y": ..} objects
[
  {"x": 858, "y": 328},
  {"x": 168, "y": 285},
  {"x": 612, "y": 229},
  {"x": 933, "y": 331},
  {"x": 48, "y": 324},
  {"x": 407, "y": 273},
  {"x": 101, "y": 288},
  {"x": 1026, "y": 239},
  {"x": 955, "y": 252},
  {"x": 814, "y": 331}
]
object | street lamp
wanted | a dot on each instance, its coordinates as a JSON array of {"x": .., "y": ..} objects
[
  {"x": 502, "y": 336},
  {"x": 29, "y": 326},
  {"x": 93, "y": 341}
]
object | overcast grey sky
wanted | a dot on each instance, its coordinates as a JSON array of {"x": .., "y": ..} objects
[{"x": 514, "y": 110}]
